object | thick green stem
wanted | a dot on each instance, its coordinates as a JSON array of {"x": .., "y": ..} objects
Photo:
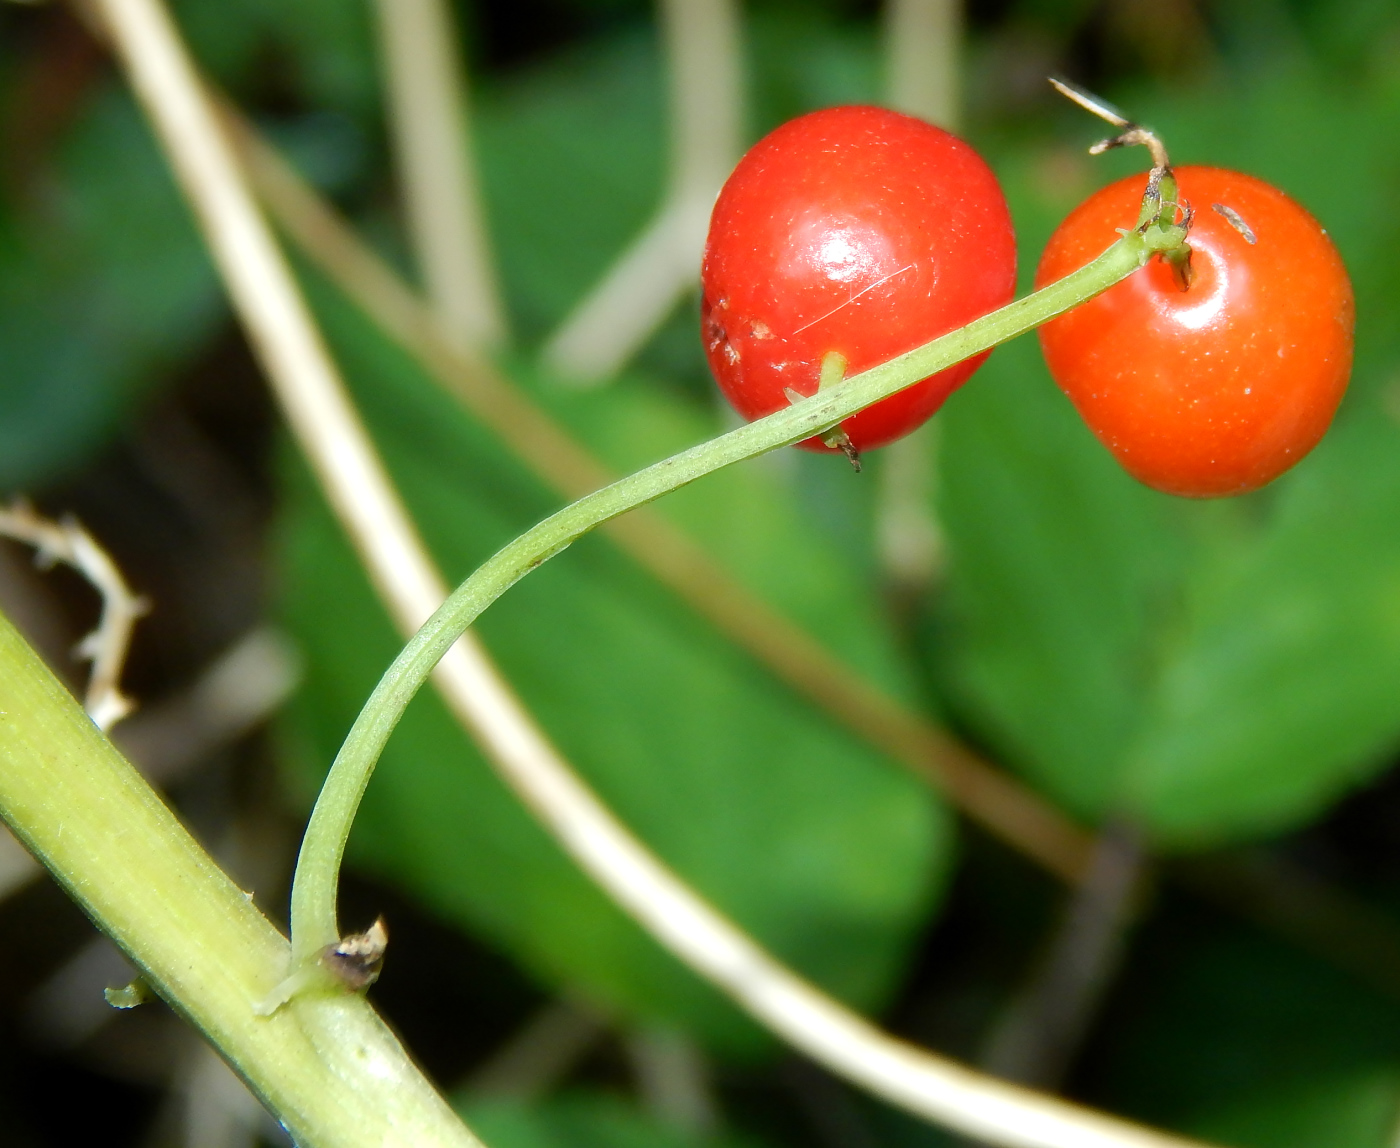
[
  {"x": 314, "y": 923},
  {"x": 326, "y": 1066}
]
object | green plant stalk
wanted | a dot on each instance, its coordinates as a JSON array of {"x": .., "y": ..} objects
[
  {"x": 313, "y": 912},
  {"x": 325, "y": 1065}
]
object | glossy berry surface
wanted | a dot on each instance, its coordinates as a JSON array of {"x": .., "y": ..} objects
[
  {"x": 854, "y": 230},
  {"x": 1219, "y": 388}
]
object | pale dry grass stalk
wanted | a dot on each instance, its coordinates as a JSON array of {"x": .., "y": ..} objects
[
  {"x": 632, "y": 299},
  {"x": 107, "y": 645},
  {"x": 430, "y": 129},
  {"x": 922, "y": 39}
]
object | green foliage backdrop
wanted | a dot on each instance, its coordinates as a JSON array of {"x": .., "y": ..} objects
[{"x": 1222, "y": 673}]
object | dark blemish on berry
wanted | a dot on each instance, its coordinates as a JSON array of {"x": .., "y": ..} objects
[
  {"x": 1233, "y": 218},
  {"x": 715, "y": 335}
]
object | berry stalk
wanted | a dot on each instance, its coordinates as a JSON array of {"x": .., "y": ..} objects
[{"x": 313, "y": 912}]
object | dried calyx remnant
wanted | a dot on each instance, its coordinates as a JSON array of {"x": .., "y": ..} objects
[
  {"x": 353, "y": 963},
  {"x": 1161, "y": 183},
  {"x": 357, "y": 958}
]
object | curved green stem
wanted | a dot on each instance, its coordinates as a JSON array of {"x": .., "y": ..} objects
[
  {"x": 313, "y": 916},
  {"x": 326, "y": 1066}
]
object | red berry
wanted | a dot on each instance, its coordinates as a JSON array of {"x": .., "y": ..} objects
[
  {"x": 1219, "y": 388},
  {"x": 855, "y": 230}
]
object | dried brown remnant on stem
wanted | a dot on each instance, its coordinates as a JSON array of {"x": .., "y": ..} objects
[
  {"x": 1130, "y": 135},
  {"x": 842, "y": 442},
  {"x": 357, "y": 959},
  {"x": 1155, "y": 204}
]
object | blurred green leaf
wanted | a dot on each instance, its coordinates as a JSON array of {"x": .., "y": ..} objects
[
  {"x": 1063, "y": 570},
  {"x": 824, "y": 851},
  {"x": 802, "y": 59},
  {"x": 322, "y": 51},
  {"x": 1351, "y": 1110},
  {"x": 573, "y": 152},
  {"x": 104, "y": 289},
  {"x": 1231, "y": 1037},
  {"x": 1220, "y": 670},
  {"x": 1284, "y": 691}
]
